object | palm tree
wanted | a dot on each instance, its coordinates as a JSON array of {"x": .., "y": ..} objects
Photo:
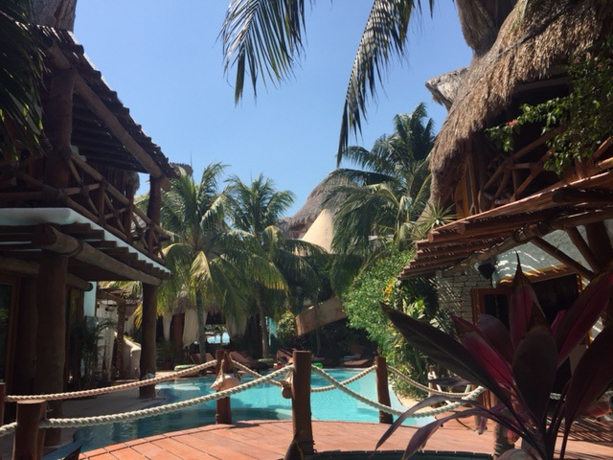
[
  {"x": 384, "y": 199},
  {"x": 20, "y": 76},
  {"x": 265, "y": 39},
  {"x": 209, "y": 261},
  {"x": 255, "y": 210}
]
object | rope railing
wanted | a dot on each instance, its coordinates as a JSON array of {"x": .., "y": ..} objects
[
  {"x": 313, "y": 390},
  {"x": 390, "y": 410},
  {"x": 8, "y": 429},
  {"x": 101, "y": 391},
  {"x": 418, "y": 385},
  {"x": 158, "y": 410}
]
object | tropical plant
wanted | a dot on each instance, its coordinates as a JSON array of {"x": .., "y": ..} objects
[
  {"x": 378, "y": 283},
  {"x": 210, "y": 263},
  {"x": 88, "y": 334},
  {"x": 20, "y": 76},
  {"x": 255, "y": 210},
  {"x": 265, "y": 39},
  {"x": 378, "y": 207},
  {"x": 585, "y": 113},
  {"x": 518, "y": 365}
]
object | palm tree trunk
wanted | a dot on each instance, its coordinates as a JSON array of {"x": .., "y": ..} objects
[
  {"x": 201, "y": 324},
  {"x": 263, "y": 327}
]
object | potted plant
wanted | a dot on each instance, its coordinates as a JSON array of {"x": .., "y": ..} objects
[{"x": 518, "y": 365}]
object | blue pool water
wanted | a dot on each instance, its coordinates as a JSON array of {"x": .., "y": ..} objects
[{"x": 262, "y": 402}]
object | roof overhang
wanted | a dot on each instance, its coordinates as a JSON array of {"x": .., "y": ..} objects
[
  {"x": 110, "y": 258},
  {"x": 463, "y": 243}
]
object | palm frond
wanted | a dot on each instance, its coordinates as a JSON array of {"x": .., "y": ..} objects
[
  {"x": 263, "y": 38},
  {"x": 384, "y": 37},
  {"x": 20, "y": 76}
]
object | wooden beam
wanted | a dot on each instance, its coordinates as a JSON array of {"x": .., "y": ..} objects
[
  {"x": 563, "y": 257},
  {"x": 104, "y": 113},
  {"x": 584, "y": 249},
  {"x": 48, "y": 238},
  {"x": 592, "y": 196},
  {"x": 31, "y": 268}
]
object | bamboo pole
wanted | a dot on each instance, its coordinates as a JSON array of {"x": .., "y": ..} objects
[
  {"x": 301, "y": 402},
  {"x": 223, "y": 412},
  {"x": 27, "y": 443},
  {"x": 383, "y": 392}
]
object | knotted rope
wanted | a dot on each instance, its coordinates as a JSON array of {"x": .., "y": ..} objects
[{"x": 101, "y": 391}]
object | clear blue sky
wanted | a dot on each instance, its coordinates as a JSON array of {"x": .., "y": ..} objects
[{"x": 164, "y": 60}]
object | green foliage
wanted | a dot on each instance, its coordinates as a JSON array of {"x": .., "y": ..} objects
[
  {"x": 20, "y": 75},
  {"x": 286, "y": 329},
  {"x": 586, "y": 113},
  {"x": 88, "y": 334},
  {"x": 378, "y": 284},
  {"x": 382, "y": 201}
]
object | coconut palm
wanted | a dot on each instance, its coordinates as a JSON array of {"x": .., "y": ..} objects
[
  {"x": 384, "y": 199},
  {"x": 210, "y": 263},
  {"x": 265, "y": 39},
  {"x": 20, "y": 75},
  {"x": 255, "y": 210}
]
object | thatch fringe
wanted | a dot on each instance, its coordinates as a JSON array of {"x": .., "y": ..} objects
[{"x": 536, "y": 36}]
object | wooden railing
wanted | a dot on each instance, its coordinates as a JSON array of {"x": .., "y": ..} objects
[
  {"x": 516, "y": 175},
  {"x": 90, "y": 194}
]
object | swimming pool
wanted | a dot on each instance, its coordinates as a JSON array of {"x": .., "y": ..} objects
[{"x": 260, "y": 403}]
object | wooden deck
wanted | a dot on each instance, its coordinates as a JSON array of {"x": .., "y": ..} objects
[{"x": 264, "y": 440}]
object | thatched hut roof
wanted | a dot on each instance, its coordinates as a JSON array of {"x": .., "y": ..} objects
[
  {"x": 535, "y": 37},
  {"x": 314, "y": 204},
  {"x": 444, "y": 88}
]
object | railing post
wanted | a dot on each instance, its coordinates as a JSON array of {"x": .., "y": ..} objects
[
  {"x": 29, "y": 439},
  {"x": 2, "y": 393},
  {"x": 301, "y": 402},
  {"x": 383, "y": 392},
  {"x": 224, "y": 413}
]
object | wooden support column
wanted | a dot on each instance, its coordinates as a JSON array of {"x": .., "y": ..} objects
[
  {"x": 25, "y": 338},
  {"x": 121, "y": 327},
  {"x": 147, "y": 356},
  {"x": 51, "y": 339},
  {"x": 153, "y": 209},
  {"x": 301, "y": 402},
  {"x": 28, "y": 437},
  {"x": 57, "y": 122},
  {"x": 383, "y": 392},
  {"x": 224, "y": 412}
]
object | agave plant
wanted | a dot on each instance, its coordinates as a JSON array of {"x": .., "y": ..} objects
[{"x": 519, "y": 365}]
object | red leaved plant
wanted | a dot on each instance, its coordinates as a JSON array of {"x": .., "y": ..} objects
[{"x": 519, "y": 365}]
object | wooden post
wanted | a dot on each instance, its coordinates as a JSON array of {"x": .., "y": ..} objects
[
  {"x": 51, "y": 334},
  {"x": 301, "y": 402},
  {"x": 383, "y": 392},
  {"x": 121, "y": 327},
  {"x": 2, "y": 394},
  {"x": 153, "y": 210},
  {"x": 27, "y": 443},
  {"x": 224, "y": 413},
  {"x": 147, "y": 356}
]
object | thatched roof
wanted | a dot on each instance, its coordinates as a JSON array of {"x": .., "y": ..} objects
[
  {"x": 314, "y": 204},
  {"x": 444, "y": 88},
  {"x": 535, "y": 37}
]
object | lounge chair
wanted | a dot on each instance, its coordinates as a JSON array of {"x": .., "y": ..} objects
[{"x": 248, "y": 361}]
